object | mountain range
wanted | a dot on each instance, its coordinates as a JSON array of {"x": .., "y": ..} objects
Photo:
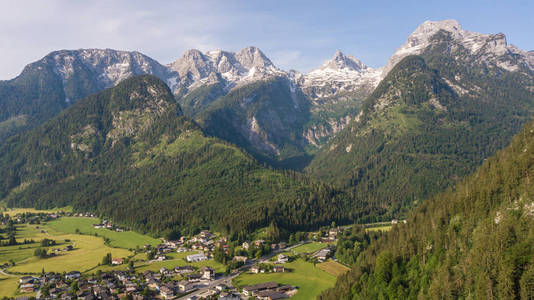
[{"x": 385, "y": 138}]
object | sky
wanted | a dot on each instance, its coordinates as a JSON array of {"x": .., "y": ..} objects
[{"x": 297, "y": 35}]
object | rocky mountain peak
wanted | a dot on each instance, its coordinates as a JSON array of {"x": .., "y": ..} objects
[
  {"x": 192, "y": 63},
  {"x": 341, "y": 61},
  {"x": 487, "y": 48},
  {"x": 253, "y": 57}
]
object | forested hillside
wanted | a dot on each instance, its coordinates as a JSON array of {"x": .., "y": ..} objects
[
  {"x": 472, "y": 242},
  {"x": 431, "y": 121},
  {"x": 129, "y": 154}
]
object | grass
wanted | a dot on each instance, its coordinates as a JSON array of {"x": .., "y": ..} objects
[
  {"x": 379, "y": 228},
  {"x": 332, "y": 267},
  {"x": 126, "y": 239},
  {"x": 88, "y": 252},
  {"x": 309, "y": 247},
  {"x": 309, "y": 279},
  {"x": 8, "y": 286},
  {"x": 14, "y": 211}
]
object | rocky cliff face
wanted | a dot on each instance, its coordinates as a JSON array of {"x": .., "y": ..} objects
[{"x": 490, "y": 49}]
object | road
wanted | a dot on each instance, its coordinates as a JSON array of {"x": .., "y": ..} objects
[{"x": 227, "y": 279}]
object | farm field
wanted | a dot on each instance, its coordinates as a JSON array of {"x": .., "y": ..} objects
[
  {"x": 309, "y": 247},
  {"x": 332, "y": 267},
  {"x": 379, "y": 228},
  {"x": 14, "y": 211},
  {"x": 309, "y": 280},
  {"x": 126, "y": 239},
  {"x": 8, "y": 286},
  {"x": 88, "y": 252}
]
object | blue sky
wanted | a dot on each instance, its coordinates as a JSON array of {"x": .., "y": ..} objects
[{"x": 294, "y": 34}]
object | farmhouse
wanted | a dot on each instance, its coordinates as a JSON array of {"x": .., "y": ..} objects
[
  {"x": 323, "y": 254},
  {"x": 279, "y": 269},
  {"x": 207, "y": 273},
  {"x": 251, "y": 290},
  {"x": 196, "y": 257},
  {"x": 282, "y": 258},
  {"x": 73, "y": 275},
  {"x": 117, "y": 261}
]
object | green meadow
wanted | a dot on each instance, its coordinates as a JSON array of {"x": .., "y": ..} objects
[
  {"x": 309, "y": 279},
  {"x": 125, "y": 239}
]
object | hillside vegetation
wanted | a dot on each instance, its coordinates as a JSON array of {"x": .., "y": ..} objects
[
  {"x": 473, "y": 242},
  {"x": 129, "y": 154}
]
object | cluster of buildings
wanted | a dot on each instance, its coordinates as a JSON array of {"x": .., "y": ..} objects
[
  {"x": 269, "y": 291},
  {"x": 117, "y": 284},
  {"x": 106, "y": 224}
]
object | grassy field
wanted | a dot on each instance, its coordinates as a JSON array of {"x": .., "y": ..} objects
[
  {"x": 310, "y": 280},
  {"x": 309, "y": 247},
  {"x": 126, "y": 239},
  {"x": 8, "y": 286},
  {"x": 379, "y": 228},
  {"x": 88, "y": 252},
  {"x": 14, "y": 211},
  {"x": 333, "y": 268}
]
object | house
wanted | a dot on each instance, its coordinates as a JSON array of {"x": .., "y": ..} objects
[
  {"x": 251, "y": 290},
  {"x": 207, "y": 273},
  {"x": 166, "y": 292},
  {"x": 184, "y": 269},
  {"x": 73, "y": 275},
  {"x": 271, "y": 295},
  {"x": 282, "y": 258},
  {"x": 117, "y": 261},
  {"x": 194, "y": 277},
  {"x": 258, "y": 243},
  {"x": 323, "y": 254},
  {"x": 27, "y": 288},
  {"x": 185, "y": 286},
  {"x": 182, "y": 249},
  {"x": 244, "y": 259},
  {"x": 196, "y": 257},
  {"x": 255, "y": 269},
  {"x": 245, "y": 245},
  {"x": 279, "y": 269},
  {"x": 221, "y": 287},
  {"x": 27, "y": 279}
]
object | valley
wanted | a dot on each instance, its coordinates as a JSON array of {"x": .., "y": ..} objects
[{"x": 221, "y": 175}]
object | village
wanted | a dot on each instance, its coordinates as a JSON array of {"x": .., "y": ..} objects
[{"x": 188, "y": 280}]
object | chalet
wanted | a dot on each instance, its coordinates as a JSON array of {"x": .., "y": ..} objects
[
  {"x": 282, "y": 258},
  {"x": 255, "y": 269},
  {"x": 166, "y": 292},
  {"x": 245, "y": 245},
  {"x": 196, "y": 257},
  {"x": 271, "y": 295},
  {"x": 207, "y": 273},
  {"x": 323, "y": 254},
  {"x": 73, "y": 275},
  {"x": 184, "y": 269},
  {"x": 27, "y": 288},
  {"x": 194, "y": 277},
  {"x": 251, "y": 290},
  {"x": 244, "y": 259},
  {"x": 185, "y": 286},
  {"x": 182, "y": 249},
  {"x": 117, "y": 261},
  {"x": 279, "y": 269}
]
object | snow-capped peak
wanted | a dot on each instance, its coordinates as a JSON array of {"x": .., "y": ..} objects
[
  {"x": 341, "y": 61},
  {"x": 489, "y": 47},
  {"x": 342, "y": 73}
]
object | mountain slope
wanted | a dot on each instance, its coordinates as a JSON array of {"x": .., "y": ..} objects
[
  {"x": 48, "y": 86},
  {"x": 434, "y": 118},
  {"x": 129, "y": 154},
  {"x": 473, "y": 242}
]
